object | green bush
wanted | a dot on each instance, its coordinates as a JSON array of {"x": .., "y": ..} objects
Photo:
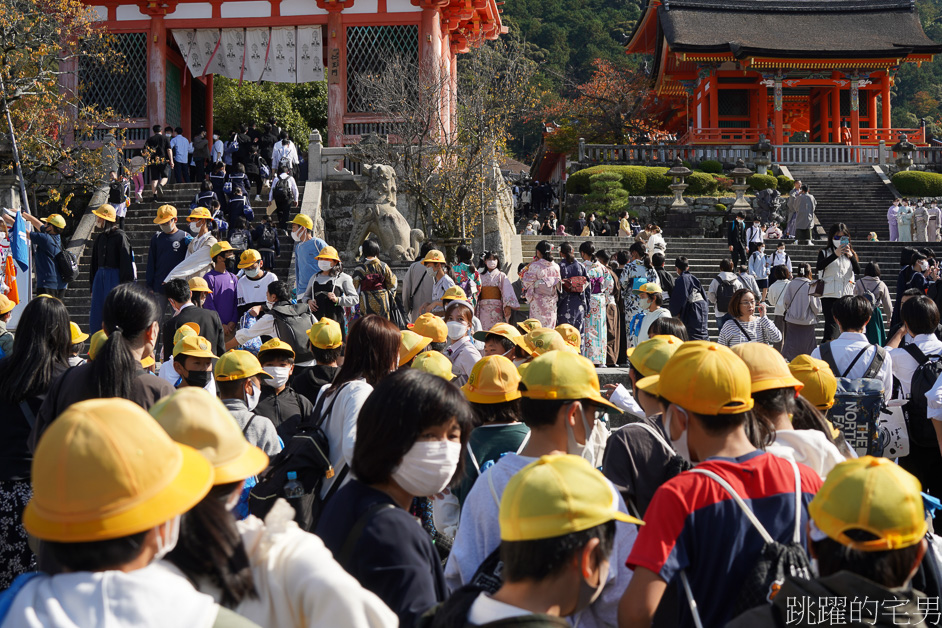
[
  {"x": 762, "y": 182},
  {"x": 701, "y": 184},
  {"x": 712, "y": 166},
  {"x": 785, "y": 185},
  {"x": 633, "y": 180},
  {"x": 657, "y": 181},
  {"x": 607, "y": 196},
  {"x": 720, "y": 207},
  {"x": 914, "y": 183}
]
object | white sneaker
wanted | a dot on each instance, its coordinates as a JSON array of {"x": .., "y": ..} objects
[{"x": 258, "y": 198}]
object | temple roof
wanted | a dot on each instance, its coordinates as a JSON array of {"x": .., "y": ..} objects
[{"x": 785, "y": 28}]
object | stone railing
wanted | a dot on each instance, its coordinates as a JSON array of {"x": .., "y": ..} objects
[{"x": 328, "y": 163}]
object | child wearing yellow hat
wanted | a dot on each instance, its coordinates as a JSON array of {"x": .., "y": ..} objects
[
  {"x": 6, "y": 336},
  {"x": 325, "y": 339},
  {"x": 280, "y": 402},
  {"x": 709, "y": 391},
  {"x": 434, "y": 363},
  {"x": 330, "y": 290},
  {"x": 78, "y": 338},
  {"x": 433, "y": 327},
  {"x": 193, "y": 363},
  {"x": 437, "y": 268},
  {"x": 560, "y": 402},
  {"x": 253, "y": 284},
  {"x": 238, "y": 377}
]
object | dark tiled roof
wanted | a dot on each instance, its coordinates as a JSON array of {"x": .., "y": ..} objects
[{"x": 841, "y": 28}]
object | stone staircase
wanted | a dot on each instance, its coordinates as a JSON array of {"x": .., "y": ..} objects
[
  {"x": 140, "y": 228},
  {"x": 852, "y": 194},
  {"x": 704, "y": 255}
]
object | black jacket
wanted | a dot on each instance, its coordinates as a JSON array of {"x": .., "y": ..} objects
[
  {"x": 737, "y": 234},
  {"x": 112, "y": 249},
  {"x": 285, "y": 410},
  {"x": 210, "y": 328}
]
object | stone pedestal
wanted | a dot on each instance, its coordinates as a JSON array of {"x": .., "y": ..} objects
[{"x": 678, "y": 190}]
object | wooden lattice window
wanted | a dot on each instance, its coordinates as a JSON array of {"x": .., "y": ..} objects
[
  {"x": 368, "y": 50},
  {"x": 174, "y": 95},
  {"x": 123, "y": 91}
]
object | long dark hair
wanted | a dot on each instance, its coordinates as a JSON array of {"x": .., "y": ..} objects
[
  {"x": 128, "y": 312},
  {"x": 371, "y": 352},
  {"x": 589, "y": 249},
  {"x": 545, "y": 249},
  {"x": 40, "y": 350},
  {"x": 210, "y": 547},
  {"x": 566, "y": 251}
]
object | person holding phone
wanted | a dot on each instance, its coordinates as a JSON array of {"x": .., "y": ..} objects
[{"x": 837, "y": 265}]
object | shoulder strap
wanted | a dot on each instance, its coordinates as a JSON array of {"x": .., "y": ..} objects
[
  {"x": 739, "y": 502},
  {"x": 743, "y": 330},
  {"x": 854, "y": 361},
  {"x": 418, "y": 285},
  {"x": 323, "y": 416},
  {"x": 246, "y": 428},
  {"x": 490, "y": 485},
  {"x": 694, "y": 611},
  {"x": 346, "y": 551},
  {"x": 7, "y": 597},
  {"x": 877, "y": 363},
  {"x": 656, "y": 433},
  {"x": 916, "y": 353},
  {"x": 28, "y": 414},
  {"x": 828, "y": 356}
]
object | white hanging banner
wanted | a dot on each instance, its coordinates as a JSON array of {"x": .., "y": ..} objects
[{"x": 281, "y": 54}]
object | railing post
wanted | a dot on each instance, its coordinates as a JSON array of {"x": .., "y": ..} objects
[
  {"x": 581, "y": 149},
  {"x": 315, "y": 169},
  {"x": 882, "y": 154}
]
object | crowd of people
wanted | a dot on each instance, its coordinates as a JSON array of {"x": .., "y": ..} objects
[{"x": 914, "y": 221}]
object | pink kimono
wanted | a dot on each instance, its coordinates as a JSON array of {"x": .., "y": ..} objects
[
  {"x": 541, "y": 285},
  {"x": 496, "y": 294}
]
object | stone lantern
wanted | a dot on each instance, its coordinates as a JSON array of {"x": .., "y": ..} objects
[
  {"x": 763, "y": 150},
  {"x": 903, "y": 148},
  {"x": 739, "y": 173},
  {"x": 678, "y": 171}
]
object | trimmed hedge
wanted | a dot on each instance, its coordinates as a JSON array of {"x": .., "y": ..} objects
[
  {"x": 915, "y": 183},
  {"x": 762, "y": 182},
  {"x": 636, "y": 180},
  {"x": 657, "y": 181},
  {"x": 712, "y": 166},
  {"x": 720, "y": 207},
  {"x": 633, "y": 180},
  {"x": 785, "y": 184},
  {"x": 701, "y": 184}
]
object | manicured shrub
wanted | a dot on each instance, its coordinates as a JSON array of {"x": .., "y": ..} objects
[
  {"x": 607, "y": 196},
  {"x": 633, "y": 179},
  {"x": 720, "y": 207},
  {"x": 762, "y": 182},
  {"x": 712, "y": 166},
  {"x": 915, "y": 183},
  {"x": 785, "y": 184},
  {"x": 701, "y": 184},
  {"x": 657, "y": 181}
]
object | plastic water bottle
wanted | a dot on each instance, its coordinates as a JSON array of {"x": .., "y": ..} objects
[{"x": 293, "y": 488}]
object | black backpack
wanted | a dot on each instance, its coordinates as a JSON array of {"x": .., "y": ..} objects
[
  {"x": 282, "y": 190},
  {"x": 66, "y": 265},
  {"x": 292, "y": 321},
  {"x": 921, "y": 431},
  {"x": 776, "y": 561},
  {"x": 238, "y": 239},
  {"x": 266, "y": 239},
  {"x": 307, "y": 453},
  {"x": 724, "y": 293}
]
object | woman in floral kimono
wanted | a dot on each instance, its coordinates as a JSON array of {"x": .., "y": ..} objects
[
  {"x": 601, "y": 285},
  {"x": 638, "y": 267},
  {"x": 541, "y": 285},
  {"x": 466, "y": 275},
  {"x": 573, "y": 299},
  {"x": 498, "y": 300}
]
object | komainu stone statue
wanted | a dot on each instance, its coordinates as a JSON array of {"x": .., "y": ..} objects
[{"x": 375, "y": 212}]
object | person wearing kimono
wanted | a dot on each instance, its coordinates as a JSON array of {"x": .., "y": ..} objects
[
  {"x": 904, "y": 222},
  {"x": 601, "y": 286},
  {"x": 466, "y": 275},
  {"x": 497, "y": 301},
  {"x": 573, "y": 299},
  {"x": 637, "y": 272},
  {"x": 541, "y": 285},
  {"x": 374, "y": 281}
]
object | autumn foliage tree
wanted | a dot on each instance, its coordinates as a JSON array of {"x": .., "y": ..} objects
[
  {"x": 43, "y": 43},
  {"x": 608, "y": 109}
]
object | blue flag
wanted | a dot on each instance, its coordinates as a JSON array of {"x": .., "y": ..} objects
[{"x": 19, "y": 242}]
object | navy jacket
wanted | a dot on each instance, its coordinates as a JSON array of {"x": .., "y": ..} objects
[{"x": 694, "y": 314}]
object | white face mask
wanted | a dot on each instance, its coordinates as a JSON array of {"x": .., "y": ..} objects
[
  {"x": 431, "y": 270},
  {"x": 279, "y": 376},
  {"x": 166, "y": 545},
  {"x": 167, "y": 227},
  {"x": 491, "y": 264},
  {"x": 922, "y": 266},
  {"x": 252, "y": 273},
  {"x": 427, "y": 467},
  {"x": 195, "y": 227},
  {"x": 295, "y": 236},
  {"x": 576, "y": 448},
  {"x": 679, "y": 445},
  {"x": 837, "y": 242},
  {"x": 457, "y": 329},
  {"x": 252, "y": 400},
  {"x": 325, "y": 264},
  {"x": 589, "y": 594}
]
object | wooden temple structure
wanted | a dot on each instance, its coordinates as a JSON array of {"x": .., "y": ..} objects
[
  {"x": 173, "y": 48},
  {"x": 726, "y": 71}
]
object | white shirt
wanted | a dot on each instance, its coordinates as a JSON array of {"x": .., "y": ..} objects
[
  {"x": 486, "y": 609},
  {"x": 479, "y": 535},
  {"x": 254, "y": 291},
  {"x": 904, "y": 366},
  {"x": 280, "y": 151},
  {"x": 754, "y": 234},
  {"x": 846, "y": 347},
  {"x": 809, "y": 447},
  {"x": 264, "y": 326},
  {"x": 292, "y": 186},
  {"x": 218, "y": 149},
  {"x": 341, "y": 426}
]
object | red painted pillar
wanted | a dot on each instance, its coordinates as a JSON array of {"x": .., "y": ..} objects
[
  {"x": 714, "y": 102},
  {"x": 872, "y": 109},
  {"x": 157, "y": 71},
  {"x": 836, "y": 115},
  {"x": 336, "y": 74},
  {"x": 446, "y": 86},
  {"x": 430, "y": 56},
  {"x": 763, "y": 95},
  {"x": 209, "y": 106},
  {"x": 885, "y": 95}
]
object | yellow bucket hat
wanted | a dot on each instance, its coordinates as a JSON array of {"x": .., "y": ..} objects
[
  {"x": 219, "y": 248},
  {"x": 434, "y": 257},
  {"x": 434, "y": 363},
  {"x": 193, "y": 346},
  {"x": 200, "y": 213},
  {"x": 6, "y": 305},
  {"x": 185, "y": 331},
  {"x": 455, "y": 293},
  {"x": 238, "y": 364},
  {"x": 555, "y": 496},
  {"x": 94, "y": 345},
  {"x": 56, "y": 220},
  {"x": 249, "y": 257},
  {"x": 410, "y": 344},
  {"x": 503, "y": 330},
  {"x": 431, "y": 326},
  {"x": 705, "y": 378},
  {"x": 106, "y": 212},
  {"x": 165, "y": 213},
  {"x": 325, "y": 334},
  {"x": 77, "y": 334},
  {"x": 871, "y": 494},
  {"x": 571, "y": 335},
  {"x": 198, "y": 284},
  {"x": 194, "y": 417},
  {"x": 493, "y": 379},
  {"x": 542, "y": 340},
  {"x": 104, "y": 469},
  {"x": 649, "y": 357},
  {"x": 304, "y": 221},
  {"x": 768, "y": 368},
  {"x": 329, "y": 253},
  {"x": 530, "y": 324},
  {"x": 816, "y": 375},
  {"x": 561, "y": 375},
  {"x": 275, "y": 344}
]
